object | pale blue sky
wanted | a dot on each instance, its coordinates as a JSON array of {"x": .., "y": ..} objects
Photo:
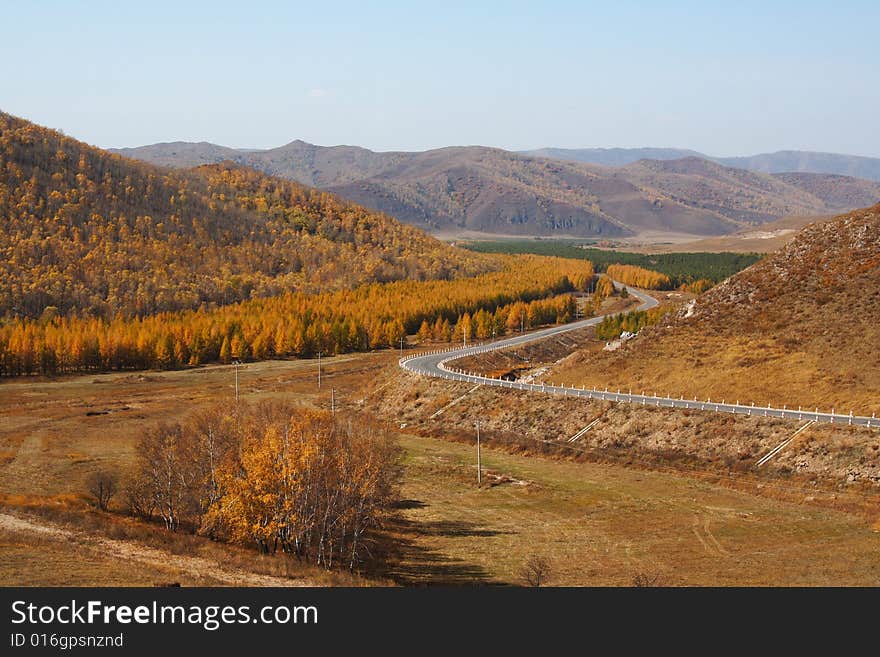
[{"x": 722, "y": 79}]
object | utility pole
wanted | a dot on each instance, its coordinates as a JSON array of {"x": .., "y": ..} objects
[
  {"x": 235, "y": 365},
  {"x": 319, "y": 370},
  {"x": 333, "y": 401},
  {"x": 479, "y": 464}
]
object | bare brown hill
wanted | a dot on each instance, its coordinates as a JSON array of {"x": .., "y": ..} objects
[
  {"x": 487, "y": 190},
  {"x": 746, "y": 196},
  {"x": 800, "y": 327},
  {"x": 835, "y": 191}
]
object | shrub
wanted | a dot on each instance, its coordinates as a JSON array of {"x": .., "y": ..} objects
[
  {"x": 102, "y": 486},
  {"x": 535, "y": 571}
]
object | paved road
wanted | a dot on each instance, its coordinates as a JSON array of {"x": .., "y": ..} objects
[{"x": 435, "y": 364}]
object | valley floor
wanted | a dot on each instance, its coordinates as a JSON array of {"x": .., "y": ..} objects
[
  {"x": 601, "y": 525},
  {"x": 596, "y": 523}
]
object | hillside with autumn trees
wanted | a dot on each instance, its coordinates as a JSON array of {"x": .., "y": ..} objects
[
  {"x": 93, "y": 234},
  {"x": 529, "y": 291}
]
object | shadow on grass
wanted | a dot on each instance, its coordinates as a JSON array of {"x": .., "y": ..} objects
[
  {"x": 408, "y": 504},
  {"x": 409, "y": 562},
  {"x": 454, "y": 528}
]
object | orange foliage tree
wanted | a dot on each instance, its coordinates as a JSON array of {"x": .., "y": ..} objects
[
  {"x": 276, "y": 476},
  {"x": 92, "y": 233},
  {"x": 639, "y": 277}
]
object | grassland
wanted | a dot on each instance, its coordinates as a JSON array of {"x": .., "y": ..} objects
[
  {"x": 603, "y": 525},
  {"x": 76, "y": 557},
  {"x": 54, "y": 433},
  {"x": 597, "y": 523},
  {"x": 765, "y": 238},
  {"x": 29, "y": 560}
]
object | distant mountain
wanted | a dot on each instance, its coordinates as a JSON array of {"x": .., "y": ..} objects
[
  {"x": 746, "y": 196},
  {"x": 95, "y": 234},
  {"x": 494, "y": 191},
  {"x": 318, "y": 166},
  {"x": 612, "y": 157},
  {"x": 779, "y": 162},
  {"x": 808, "y": 162},
  {"x": 488, "y": 190},
  {"x": 469, "y": 189},
  {"x": 181, "y": 154}
]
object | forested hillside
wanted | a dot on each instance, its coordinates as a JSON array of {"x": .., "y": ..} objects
[
  {"x": 86, "y": 231},
  {"x": 529, "y": 291}
]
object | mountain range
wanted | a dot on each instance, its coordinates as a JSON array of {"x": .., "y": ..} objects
[
  {"x": 474, "y": 189},
  {"x": 778, "y": 162}
]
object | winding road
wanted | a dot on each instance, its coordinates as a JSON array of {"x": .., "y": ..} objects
[{"x": 434, "y": 364}]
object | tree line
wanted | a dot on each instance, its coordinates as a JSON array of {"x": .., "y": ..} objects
[
  {"x": 639, "y": 277},
  {"x": 529, "y": 291},
  {"x": 509, "y": 318},
  {"x": 653, "y": 280},
  {"x": 681, "y": 268}
]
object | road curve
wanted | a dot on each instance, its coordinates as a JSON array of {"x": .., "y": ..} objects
[{"x": 434, "y": 364}]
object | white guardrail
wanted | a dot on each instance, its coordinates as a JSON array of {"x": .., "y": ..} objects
[{"x": 433, "y": 363}]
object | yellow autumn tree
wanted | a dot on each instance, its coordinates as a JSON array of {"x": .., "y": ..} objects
[
  {"x": 299, "y": 482},
  {"x": 258, "y": 502},
  {"x": 639, "y": 277},
  {"x": 604, "y": 288}
]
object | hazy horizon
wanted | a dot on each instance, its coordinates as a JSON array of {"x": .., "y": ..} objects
[
  {"x": 525, "y": 150},
  {"x": 724, "y": 81}
]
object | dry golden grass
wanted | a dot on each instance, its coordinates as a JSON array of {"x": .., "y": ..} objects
[
  {"x": 29, "y": 560},
  {"x": 597, "y": 523},
  {"x": 602, "y": 525},
  {"x": 766, "y": 238},
  {"x": 831, "y": 465},
  {"x": 51, "y": 443},
  {"x": 74, "y": 533}
]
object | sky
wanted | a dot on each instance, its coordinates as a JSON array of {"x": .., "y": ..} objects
[{"x": 722, "y": 78}]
